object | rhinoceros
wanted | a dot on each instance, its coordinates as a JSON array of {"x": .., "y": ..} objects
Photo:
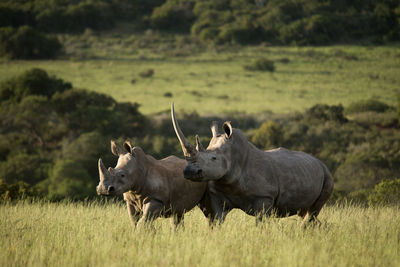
[
  {"x": 151, "y": 188},
  {"x": 258, "y": 182}
]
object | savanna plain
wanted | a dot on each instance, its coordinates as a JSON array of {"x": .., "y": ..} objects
[
  {"x": 213, "y": 80},
  {"x": 209, "y": 81}
]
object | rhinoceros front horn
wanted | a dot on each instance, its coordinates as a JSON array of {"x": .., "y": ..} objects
[
  {"x": 188, "y": 149},
  {"x": 102, "y": 169}
]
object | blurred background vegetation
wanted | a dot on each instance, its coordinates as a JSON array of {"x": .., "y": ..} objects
[
  {"x": 26, "y": 27},
  {"x": 52, "y": 133}
]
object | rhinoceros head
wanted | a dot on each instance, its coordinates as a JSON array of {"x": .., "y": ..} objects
[
  {"x": 206, "y": 164},
  {"x": 118, "y": 180}
]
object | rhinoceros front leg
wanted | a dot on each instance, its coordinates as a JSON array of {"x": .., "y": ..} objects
[
  {"x": 177, "y": 220},
  {"x": 262, "y": 208},
  {"x": 152, "y": 209},
  {"x": 220, "y": 208},
  {"x": 134, "y": 213}
]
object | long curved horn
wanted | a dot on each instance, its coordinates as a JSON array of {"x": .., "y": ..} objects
[
  {"x": 188, "y": 149},
  {"x": 214, "y": 128},
  {"x": 199, "y": 146},
  {"x": 102, "y": 169}
]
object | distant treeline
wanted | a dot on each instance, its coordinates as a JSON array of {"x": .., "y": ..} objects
[
  {"x": 282, "y": 22},
  {"x": 52, "y": 134}
]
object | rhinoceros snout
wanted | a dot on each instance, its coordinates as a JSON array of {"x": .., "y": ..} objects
[
  {"x": 192, "y": 173},
  {"x": 105, "y": 190}
]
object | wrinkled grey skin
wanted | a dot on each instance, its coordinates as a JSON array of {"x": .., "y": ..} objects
[
  {"x": 151, "y": 188},
  {"x": 258, "y": 182}
]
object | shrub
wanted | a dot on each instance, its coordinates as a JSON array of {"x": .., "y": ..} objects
[
  {"x": 387, "y": 192},
  {"x": 359, "y": 196},
  {"x": 32, "y": 82},
  {"x": 367, "y": 105},
  {"x": 24, "y": 167},
  {"x": 173, "y": 15},
  {"x": 12, "y": 14},
  {"x": 168, "y": 94},
  {"x": 146, "y": 73},
  {"x": 385, "y": 119},
  {"x": 261, "y": 64},
  {"x": 76, "y": 17},
  {"x": 326, "y": 112},
  {"x": 268, "y": 135},
  {"x": 27, "y": 43},
  {"x": 16, "y": 190},
  {"x": 74, "y": 173}
]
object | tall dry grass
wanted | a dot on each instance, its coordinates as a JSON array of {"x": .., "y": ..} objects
[{"x": 94, "y": 234}]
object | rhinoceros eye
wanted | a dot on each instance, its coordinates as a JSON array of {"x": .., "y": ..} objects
[{"x": 214, "y": 158}]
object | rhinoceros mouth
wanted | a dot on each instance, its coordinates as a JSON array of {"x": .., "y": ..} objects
[{"x": 194, "y": 176}]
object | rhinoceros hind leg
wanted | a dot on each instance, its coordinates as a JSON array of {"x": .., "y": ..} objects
[{"x": 326, "y": 192}]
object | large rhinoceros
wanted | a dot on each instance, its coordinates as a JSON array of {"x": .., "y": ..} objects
[
  {"x": 151, "y": 188},
  {"x": 258, "y": 182}
]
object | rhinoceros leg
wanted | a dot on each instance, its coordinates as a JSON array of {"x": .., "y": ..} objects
[
  {"x": 326, "y": 192},
  {"x": 262, "y": 208},
  {"x": 134, "y": 213},
  {"x": 152, "y": 209},
  {"x": 177, "y": 220},
  {"x": 220, "y": 207}
]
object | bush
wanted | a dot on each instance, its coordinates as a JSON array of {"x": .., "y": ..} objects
[
  {"x": 268, "y": 135},
  {"x": 31, "y": 82},
  {"x": 74, "y": 173},
  {"x": 173, "y": 15},
  {"x": 146, "y": 73},
  {"x": 326, "y": 113},
  {"x": 76, "y": 17},
  {"x": 13, "y": 14},
  {"x": 15, "y": 191},
  {"x": 367, "y": 105},
  {"x": 386, "y": 192},
  {"x": 261, "y": 64},
  {"x": 27, "y": 43}
]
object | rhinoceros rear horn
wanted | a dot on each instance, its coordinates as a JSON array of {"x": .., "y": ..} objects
[
  {"x": 188, "y": 149},
  {"x": 102, "y": 168}
]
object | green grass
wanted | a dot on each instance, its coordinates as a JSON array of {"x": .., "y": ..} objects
[
  {"x": 50, "y": 234},
  {"x": 214, "y": 80}
]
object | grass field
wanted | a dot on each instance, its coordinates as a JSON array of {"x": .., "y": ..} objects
[
  {"x": 49, "y": 234},
  {"x": 215, "y": 81}
]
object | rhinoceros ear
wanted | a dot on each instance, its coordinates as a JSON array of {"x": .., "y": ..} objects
[
  {"x": 115, "y": 149},
  {"x": 227, "y": 129},
  {"x": 214, "y": 128},
  {"x": 199, "y": 146},
  {"x": 128, "y": 146}
]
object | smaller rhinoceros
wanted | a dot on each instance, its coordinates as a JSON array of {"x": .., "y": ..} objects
[{"x": 151, "y": 188}]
